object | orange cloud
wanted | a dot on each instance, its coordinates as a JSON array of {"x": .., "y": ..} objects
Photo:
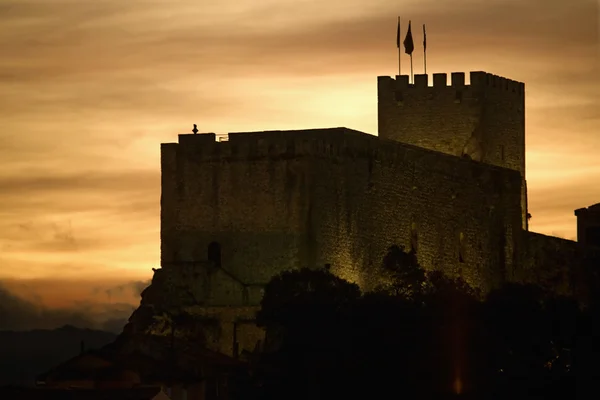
[{"x": 91, "y": 89}]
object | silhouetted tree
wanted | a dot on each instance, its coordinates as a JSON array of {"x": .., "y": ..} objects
[
  {"x": 294, "y": 297},
  {"x": 586, "y": 347},
  {"x": 440, "y": 285},
  {"x": 520, "y": 337},
  {"x": 405, "y": 274},
  {"x": 306, "y": 314},
  {"x": 425, "y": 334},
  {"x": 564, "y": 316}
]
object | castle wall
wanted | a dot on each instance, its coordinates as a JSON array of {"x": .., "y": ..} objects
[
  {"x": 205, "y": 284},
  {"x": 551, "y": 262},
  {"x": 283, "y": 200},
  {"x": 438, "y": 117},
  {"x": 223, "y": 311},
  {"x": 484, "y": 120},
  {"x": 248, "y": 203},
  {"x": 235, "y": 324},
  {"x": 374, "y": 193}
]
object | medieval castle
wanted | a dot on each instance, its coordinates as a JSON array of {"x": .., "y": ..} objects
[{"x": 445, "y": 177}]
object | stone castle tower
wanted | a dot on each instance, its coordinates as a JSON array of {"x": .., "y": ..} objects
[
  {"x": 445, "y": 178},
  {"x": 483, "y": 121}
]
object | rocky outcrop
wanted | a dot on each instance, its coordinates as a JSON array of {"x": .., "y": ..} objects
[{"x": 176, "y": 308}]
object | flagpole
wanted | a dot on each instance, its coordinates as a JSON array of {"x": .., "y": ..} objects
[
  {"x": 424, "y": 50},
  {"x": 399, "y": 51},
  {"x": 409, "y": 47}
]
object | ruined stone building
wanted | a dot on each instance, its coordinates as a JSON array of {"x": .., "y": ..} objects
[{"x": 445, "y": 177}]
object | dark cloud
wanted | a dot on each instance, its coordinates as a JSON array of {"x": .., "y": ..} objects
[
  {"x": 125, "y": 95},
  {"x": 48, "y": 237},
  {"x": 113, "y": 325},
  {"x": 553, "y": 205},
  {"x": 568, "y": 196},
  {"x": 131, "y": 194},
  {"x": 100, "y": 44},
  {"x": 133, "y": 287},
  {"x": 117, "y": 196},
  {"x": 549, "y": 116},
  {"x": 19, "y": 313},
  {"x": 83, "y": 181}
]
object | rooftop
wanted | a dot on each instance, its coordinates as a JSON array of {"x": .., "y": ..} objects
[
  {"x": 594, "y": 208},
  {"x": 139, "y": 393}
]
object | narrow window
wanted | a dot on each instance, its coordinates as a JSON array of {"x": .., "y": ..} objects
[
  {"x": 458, "y": 97},
  {"x": 214, "y": 254},
  {"x": 461, "y": 247},
  {"x": 502, "y": 152},
  {"x": 398, "y": 96}
]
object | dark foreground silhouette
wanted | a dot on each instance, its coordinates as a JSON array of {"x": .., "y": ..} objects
[
  {"x": 422, "y": 336},
  {"x": 24, "y": 355}
]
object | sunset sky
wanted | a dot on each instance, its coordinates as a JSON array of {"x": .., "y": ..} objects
[{"x": 89, "y": 90}]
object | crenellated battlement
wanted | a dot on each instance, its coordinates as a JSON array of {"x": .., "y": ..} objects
[
  {"x": 336, "y": 144},
  {"x": 479, "y": 80}
]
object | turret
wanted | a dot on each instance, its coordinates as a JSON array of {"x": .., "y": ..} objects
[{"x": 483, "y": 120}]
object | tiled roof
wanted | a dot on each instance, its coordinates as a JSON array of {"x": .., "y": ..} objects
[{"x": 188, "y": 363}]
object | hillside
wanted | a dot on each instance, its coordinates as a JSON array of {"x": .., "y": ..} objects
[{"x": 25, "y": 354}]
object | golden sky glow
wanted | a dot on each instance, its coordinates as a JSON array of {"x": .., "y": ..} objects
[{"x": 91, "y": 88}]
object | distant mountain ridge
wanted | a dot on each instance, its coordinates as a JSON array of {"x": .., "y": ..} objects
[{"x": 25, "y": 354}]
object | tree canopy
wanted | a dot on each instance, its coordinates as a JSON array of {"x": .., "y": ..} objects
[{"x": 424, "y": 333}]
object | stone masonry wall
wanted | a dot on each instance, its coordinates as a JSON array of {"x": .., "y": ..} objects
[
  {"x": 251, "y": 206},
  {"x": 373, "y": 193},
  {"x": 216, "y": 308},
  {"x": 283, "y": 200},
  {"x": 444, "y": 118},
  {"x": 553, "y": 263}
]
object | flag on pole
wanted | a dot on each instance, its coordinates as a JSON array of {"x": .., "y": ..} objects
[
  {"x": 398, "y": 34},
  {"x": 424, "y": 39},
  {"x": 398, "y": 46},
  {"x": 409, "y": 45}
]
